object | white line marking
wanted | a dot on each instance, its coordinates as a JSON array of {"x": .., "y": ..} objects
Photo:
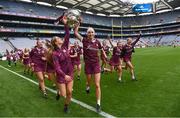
[{"x": 102, "y": 113}]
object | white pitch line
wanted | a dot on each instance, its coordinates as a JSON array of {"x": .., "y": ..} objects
[{"x": 102, "y": 113}]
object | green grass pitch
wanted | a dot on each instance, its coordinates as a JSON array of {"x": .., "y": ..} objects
[{"x": 156, "y": 93}]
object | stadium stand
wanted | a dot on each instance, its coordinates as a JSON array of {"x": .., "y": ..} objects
[
  {"x": 29, "y": 8},
  {"x": 21, "y": 43},
  {"x": 33, "y": 20},
  {"x": 4, "y": 45}
]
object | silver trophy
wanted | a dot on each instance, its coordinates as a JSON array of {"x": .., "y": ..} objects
[{"x": 73, "y": 16}]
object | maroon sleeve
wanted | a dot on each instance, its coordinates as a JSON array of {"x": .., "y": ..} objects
[
  {"x": 59, "y": 18},
  {"x": 99, "y": 45},
  {"x": 31, "y": 53},
  {"x": 123, "y": 50},
  {"x": 67, "y": 36},
  {"x": 114, "y": 50},
  {"x": 103, "y": 54},
  {"x": 134, "y": 43},
  {"x": 57, "y": 65}
]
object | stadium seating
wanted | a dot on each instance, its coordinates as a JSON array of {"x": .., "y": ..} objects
[
  {"x": 4, "y": 45},
  {"x": 150, "y": 25},
  {"x": 22, "y": 43},
  {"x": 29, "y": 8}
]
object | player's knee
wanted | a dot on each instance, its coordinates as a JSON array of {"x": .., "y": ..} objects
[
  {"x": 41, "y": 80},
  {"x": 63, "y": 95},
  {"x": 97, "y": 85},
  {"x": 120, "y": 69},
  {"x": 69, "y": 94}
]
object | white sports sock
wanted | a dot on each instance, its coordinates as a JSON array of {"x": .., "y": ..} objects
[
  {"x": 99, "y": 102},
  {"x": 87, "y": 88},
  {"x": 119, "y": 78},
  {"x": 133, "y": 77}
]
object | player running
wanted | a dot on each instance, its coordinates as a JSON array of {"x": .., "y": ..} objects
[
  {"x": 75, "y": 53},
  {"x": 91, "y": 47},
  {"x": 127, "y": 53},
  {"x": 63, "y": 66},
  {"x": 116, "y": 59}
]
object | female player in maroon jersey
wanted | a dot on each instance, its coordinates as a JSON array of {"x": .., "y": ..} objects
[
  {"x": 91, "y": 47},
  {"x": 49, "y": 68},
  {"x": 8, "y": 56},
  {"x": 26, "y": 61},
  {"x": 38, "y": 61},
  {"x": 127, "y": 53},
  {"x": 104, "y": 62},
  {"x": 75, "y": 53},
  {"x": 116, "y": 59},
  {"x": 63, "y": 65},
  {"x": 15, "y": 57}
]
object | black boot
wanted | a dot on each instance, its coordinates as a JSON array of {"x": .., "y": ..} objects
[{"x": 66, "y": 109}]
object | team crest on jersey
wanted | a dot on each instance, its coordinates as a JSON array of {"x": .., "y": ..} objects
[
  {"x": 96, "y": 44},
  {"x": 64, "y": 50}
]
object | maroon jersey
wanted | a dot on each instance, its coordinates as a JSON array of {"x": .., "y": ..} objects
[
  {"x": 79, "y": 51},
  {"x": 106, "y": 50},
  {"x": 36, "y": 55},
  {"x": 62, "y": 61},
  {"x": 9, "y": 56},
  {"x": 128, "y": 49},
  {"x": 73, "y": 51},
  {"x": 90, "y": 50},
  {"x": 26, "y": 59},
  {"x": 20, "y": 53},
  {"x": 117, "y": 54},
  {"x": 49, "y": 61},
  {"x": 15, "y": 56}
]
